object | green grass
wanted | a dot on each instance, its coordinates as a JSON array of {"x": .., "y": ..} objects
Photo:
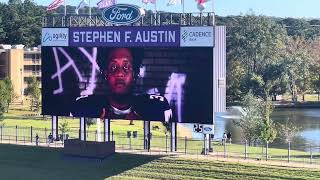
[
  {"x": 307, "y": 97},
  {"x": 27, "y": 162},
  {"x": 18, "y": 117}
]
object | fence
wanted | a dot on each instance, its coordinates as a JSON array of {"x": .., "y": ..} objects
[{"x": 299, "y": 153}]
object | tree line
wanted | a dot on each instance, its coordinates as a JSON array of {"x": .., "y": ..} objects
[{"x": 272, "y": 56}]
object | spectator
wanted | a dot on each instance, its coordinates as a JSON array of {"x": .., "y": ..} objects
[
  {"x": 50, "y": 138},
  {"x": 37, "y": 140},
  {"x": 229, "y": 137},
  {"x": 224, "y": 138}
]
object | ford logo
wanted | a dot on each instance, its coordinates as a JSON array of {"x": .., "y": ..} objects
[
  {"x": 208, "y": 129},
  {"x": 121, "y": 14}
]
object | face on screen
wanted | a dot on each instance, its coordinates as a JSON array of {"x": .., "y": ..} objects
[{"x": 119, "y": 72}]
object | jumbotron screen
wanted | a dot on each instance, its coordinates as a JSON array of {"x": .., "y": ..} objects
[{"x": 132, "y": 73}]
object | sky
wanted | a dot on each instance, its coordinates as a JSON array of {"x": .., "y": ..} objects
[{"x": 277, "y": 8}]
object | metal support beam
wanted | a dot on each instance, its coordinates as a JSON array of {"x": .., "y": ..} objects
[
  {"x": 54, "y": 127},
  {"x": 146, "y": 137},
  {"x": 106, "y": 130},
  {"x": 83, "y": 128},
  {"x": 173, "y": 144},
  {"x": 98, "y": 130},
  {"x": 155, "y": 19}
]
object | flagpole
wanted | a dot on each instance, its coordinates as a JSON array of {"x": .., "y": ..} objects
[
  {"x": 65, "y": 8},
  {"x": 89, "y": 8},
  {"x": 214, "y": 14},
  {"x": 183, "y": 6}
]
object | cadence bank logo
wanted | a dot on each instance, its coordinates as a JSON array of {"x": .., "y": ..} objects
[
  {"x": 184, "y": 35},
  {"x": 197, "y": 37},
  {"x": 55, "y": 37}
]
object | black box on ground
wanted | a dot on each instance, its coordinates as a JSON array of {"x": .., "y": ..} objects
[{"x": 88, "y": 149}]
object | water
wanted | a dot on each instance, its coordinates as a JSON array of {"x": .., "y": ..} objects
[{"x": 307, "y": 119}]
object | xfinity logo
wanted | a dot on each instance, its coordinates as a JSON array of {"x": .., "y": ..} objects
[{"x": 121, "y": 14}]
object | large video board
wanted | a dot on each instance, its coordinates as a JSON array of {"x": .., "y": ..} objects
[{"x": 141, "y": 73}]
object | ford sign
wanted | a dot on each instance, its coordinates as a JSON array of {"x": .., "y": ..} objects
[
  {"x": 208, "y": 129},
  {"x": 121, "y": 14}
]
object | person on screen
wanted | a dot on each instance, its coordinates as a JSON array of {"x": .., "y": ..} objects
[{"x": 120, "y": 68}]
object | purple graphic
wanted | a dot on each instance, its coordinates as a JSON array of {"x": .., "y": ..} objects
[
  {"x": 71, "y": 64},
  {"x": 168, "y": 36}
]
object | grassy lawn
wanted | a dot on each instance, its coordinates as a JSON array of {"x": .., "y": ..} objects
[
  {"x": 27, "y": 162},
  {"x": 22, "y": 118}
]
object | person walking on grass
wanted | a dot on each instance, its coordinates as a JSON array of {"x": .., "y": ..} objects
[
  {"x": 37, "y": 140},
  {"x": 229, "y": 137}
]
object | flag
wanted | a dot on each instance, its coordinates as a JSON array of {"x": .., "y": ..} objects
[
  {"x": 202, "y": 1},
  {"x": 106, "y": 3},
  {"x": 82, "y": 4},
  {"x": 201, "y": 4},
  {"x": 173, "y": 2},
  {"x": 149, "y": 1},
  {"x": 55, "y": 4}
]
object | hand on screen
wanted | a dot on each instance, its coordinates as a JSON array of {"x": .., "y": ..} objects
[
  {"x": 133, "y": 115},
  {"x": 103, "y": 114}
]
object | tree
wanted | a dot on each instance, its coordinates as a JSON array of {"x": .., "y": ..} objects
[
  {"x": 298, "y": 60},
  {"x": 3, "y": 101},
  {"x": 2, "y": 32},
  {"x": 268, "y": 131},
  {"x": 236, "y": 75},
  {"x": 9, "y": 92},
  {"x": 250, "y": 120},
  {"x": 90, "y": 122},
  {"x": 256, "y": 43},
  {"x": 64, "y": 127},
  {"x": 22, "y": 22},
  {"x": 288, "y": 130},
  {"x": 33, "y": 91},
  {"x": 255, "y": 123},
  {"x": 315, "y": 68},
  {"x": 301, "y": 28}
]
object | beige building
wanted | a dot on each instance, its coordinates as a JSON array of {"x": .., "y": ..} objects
[{"x": 20, "y": 65}]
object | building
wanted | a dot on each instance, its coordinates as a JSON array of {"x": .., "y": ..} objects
[{"x": 20, "y": 65}]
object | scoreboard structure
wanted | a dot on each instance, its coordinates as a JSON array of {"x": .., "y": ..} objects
[{"x": 167, "y": 67}]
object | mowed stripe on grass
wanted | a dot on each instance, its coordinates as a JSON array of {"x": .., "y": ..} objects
[
  {"x": 26, "y": 162},
  {"x": 181, "y": 168}
]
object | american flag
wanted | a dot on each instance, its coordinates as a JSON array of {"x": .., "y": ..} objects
[
  {"x": 106, "y": 3},
  {"x": 149, "y": 1},
  {"x": 55, "y": 4}
]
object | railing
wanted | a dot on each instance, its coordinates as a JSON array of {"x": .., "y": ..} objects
[
  {"x": 299, "y": 153},
  {"x": 155, "y": 19}
]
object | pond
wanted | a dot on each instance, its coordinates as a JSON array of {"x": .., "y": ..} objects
[{"x": 308, "y": 120}]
